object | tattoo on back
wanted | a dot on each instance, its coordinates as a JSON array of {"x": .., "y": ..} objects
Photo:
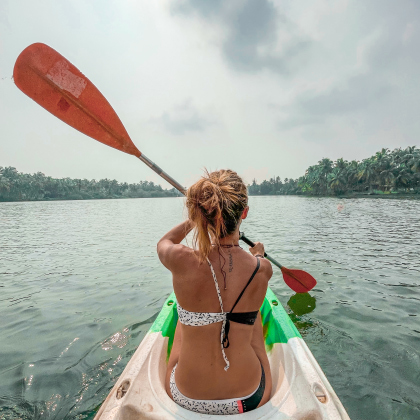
[{"x": 230, "y": 262}]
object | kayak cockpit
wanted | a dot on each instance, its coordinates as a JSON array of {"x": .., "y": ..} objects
[{"x": 300, "y": 388}]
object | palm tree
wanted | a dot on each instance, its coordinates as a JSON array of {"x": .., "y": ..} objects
[
  {"x": 341, "y": 164},
  {"x": 414, "y": 162},
  {"x": 337, "y": 182},
  {"x": 403, "y": 179},
  {"x": 351, "y": 175},
  {"x": 379, "y": 156},
  {"x": 303, "y": 184},
  {"x": 4, "y": 186},
  {"x": 387, "y": 174},
  {"x": 366, "y": 173},
  {"x": 326, "y": 167}
]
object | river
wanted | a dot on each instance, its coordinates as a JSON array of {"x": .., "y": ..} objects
[{"x": 80, "y": 284}]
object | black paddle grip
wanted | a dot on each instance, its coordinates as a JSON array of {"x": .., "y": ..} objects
[{"x": 248, "y": 241}]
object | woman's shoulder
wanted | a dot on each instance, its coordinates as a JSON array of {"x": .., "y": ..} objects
[
  {"x": 177, "y": 256},
  {"x": 266, "y": 268}
]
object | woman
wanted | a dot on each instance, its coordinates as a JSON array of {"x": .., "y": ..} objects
[{"x": 218, "y": 363}]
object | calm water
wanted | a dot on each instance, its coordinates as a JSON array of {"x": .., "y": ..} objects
[{"x": 80, "y": 284}]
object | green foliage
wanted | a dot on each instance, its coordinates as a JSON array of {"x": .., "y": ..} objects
[
  {"x": 384, "y": 173},
  {"x": 17, "y": 186}
]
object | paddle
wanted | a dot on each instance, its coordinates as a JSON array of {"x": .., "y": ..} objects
[
  {"x": 54, "y": 83},
  {"x": 298, "y": 280}
]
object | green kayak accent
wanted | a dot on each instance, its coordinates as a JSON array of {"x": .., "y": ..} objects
[
  {"x": 300, "y": 389},
  {"x": 277, "y": 325}
]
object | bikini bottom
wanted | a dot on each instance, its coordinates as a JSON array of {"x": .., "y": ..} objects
[{"x": 218, "y": 407}]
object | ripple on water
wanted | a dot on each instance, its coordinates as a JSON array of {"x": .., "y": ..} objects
[{"x": 81, "y": 284}]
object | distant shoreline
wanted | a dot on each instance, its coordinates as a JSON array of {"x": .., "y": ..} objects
[
  {"x": 392, "y": 196},
  {"x": 83, "y": 199},
  {"x": 387, "y": 174}
]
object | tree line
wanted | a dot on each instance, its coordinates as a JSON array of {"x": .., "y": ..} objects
[
  {"x": 396, "y": 171},
  {"x": 385, "y": 172},
  {"x": 17, "y": 186}
]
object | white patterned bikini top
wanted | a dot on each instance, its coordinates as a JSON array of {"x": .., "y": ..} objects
[{"x": 198, "y": 319}]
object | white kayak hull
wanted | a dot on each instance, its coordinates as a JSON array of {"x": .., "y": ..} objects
[{"x": 300, "y": 389}]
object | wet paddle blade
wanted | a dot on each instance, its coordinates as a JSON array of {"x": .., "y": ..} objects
[
  {"x": 298, "y": 280},
  {"x": 54, "y": 83}
]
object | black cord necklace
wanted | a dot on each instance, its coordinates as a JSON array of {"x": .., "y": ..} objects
[{"x": 230, "y": 246}]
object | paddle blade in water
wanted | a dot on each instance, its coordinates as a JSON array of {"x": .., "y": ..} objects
[
  {"x": 298, "y": 280},
  {"x": 54, "y": 83}
]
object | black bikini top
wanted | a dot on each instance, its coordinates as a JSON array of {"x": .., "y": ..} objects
[
  {"x": 197, "y": 319},
  {"x": 247, "y": 318}
]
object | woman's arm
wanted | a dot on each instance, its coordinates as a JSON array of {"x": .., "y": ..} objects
[
  {"x": 258, "y": 250},
  {"x": 169, "y": 247}
]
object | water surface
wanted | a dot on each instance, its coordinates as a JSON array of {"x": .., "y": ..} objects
[{"x": 80, "y": 285}]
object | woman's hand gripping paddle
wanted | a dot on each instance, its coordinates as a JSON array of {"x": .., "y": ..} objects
[
  {"x": 298, "y": 280},
  {"x": 54, "y": 83}
]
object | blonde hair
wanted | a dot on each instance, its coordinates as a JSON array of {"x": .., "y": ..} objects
[{"x": 215, "y": 204}]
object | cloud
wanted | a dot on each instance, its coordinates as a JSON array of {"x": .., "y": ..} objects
[
  {"x": 255, "y": 36},
  {"x": 355, "y": 94},
  {"x": 4, "y": 12},
  {"x": 204, "y": 9},
  {"x": 299, "y": 121},
  {"x": 374, "y": 90},
  {"x": 359, "y": 94},
  {"x": 182, "y": 119}
]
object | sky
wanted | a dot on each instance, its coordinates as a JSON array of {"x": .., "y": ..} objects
[{"x": 266, "y": 88}]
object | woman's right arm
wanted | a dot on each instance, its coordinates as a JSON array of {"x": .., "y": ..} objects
[
  {"x": 169, "y": 247},
  {"x": 258, "y": 251}
]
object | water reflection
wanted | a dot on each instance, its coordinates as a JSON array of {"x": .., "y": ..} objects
[
  {"x": 302, "y": 303},
  {"x": 299, "y": 305}
]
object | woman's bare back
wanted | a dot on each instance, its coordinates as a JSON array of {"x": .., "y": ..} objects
[{"x": 197, "y": 350}]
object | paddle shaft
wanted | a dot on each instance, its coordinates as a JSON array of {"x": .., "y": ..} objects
[
  {"x": 252, "y": 244},
  {"x": 162, "y": 173}
]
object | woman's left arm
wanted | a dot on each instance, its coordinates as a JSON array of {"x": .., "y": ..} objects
[{"x": 169, "y": 248}]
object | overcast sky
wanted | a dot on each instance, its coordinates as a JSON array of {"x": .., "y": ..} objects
[{"x": 263, "y": 87}]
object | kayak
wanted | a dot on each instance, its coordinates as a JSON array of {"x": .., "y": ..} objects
[{"x": 300, "y": 388}]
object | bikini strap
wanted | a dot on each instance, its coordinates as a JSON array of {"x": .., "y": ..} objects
[
  {"x": 216, "y": 284},
  {"x": 223, "y": 329},
  {"x": 249, "y": 281}
]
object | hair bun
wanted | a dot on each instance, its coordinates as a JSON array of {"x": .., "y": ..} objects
[{"x": 215, "y": 204}]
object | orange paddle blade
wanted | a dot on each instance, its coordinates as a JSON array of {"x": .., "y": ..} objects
[
  {"x": 54, "y": 83},
  {"x": 298, "y": 280}
]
